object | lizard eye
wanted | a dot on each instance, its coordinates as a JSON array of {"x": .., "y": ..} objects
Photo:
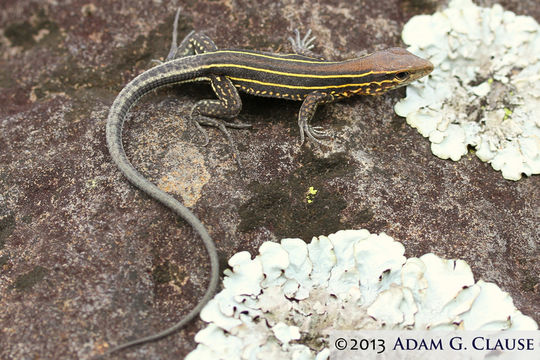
[{"x": 402, "y": 75}]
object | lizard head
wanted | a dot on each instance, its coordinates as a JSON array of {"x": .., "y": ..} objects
[
  {"x": 401, "y": 66},
  {"x": 390, "y": 69}
]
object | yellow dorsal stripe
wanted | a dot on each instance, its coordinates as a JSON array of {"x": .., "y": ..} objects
[
  {"x": 308, "y": 87},
  {"x": 371, "y": 72},
  {"x": 274, "y": 57},
  {"x": 293, "y": 74}
]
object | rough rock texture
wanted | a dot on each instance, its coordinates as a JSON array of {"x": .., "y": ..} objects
[{"x": 87, "y": 261}]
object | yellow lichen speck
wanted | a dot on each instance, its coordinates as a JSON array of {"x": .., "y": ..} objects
[{"x": 311, "y": 194}]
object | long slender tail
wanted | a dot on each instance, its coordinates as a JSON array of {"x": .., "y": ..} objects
[{"x": 142, "y": 84}]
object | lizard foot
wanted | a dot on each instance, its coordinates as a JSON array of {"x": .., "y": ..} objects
[
  {"x": 300, "y": 45},
  {"x": 315, "y": 134},
  {"x": 222, "y": 126}
]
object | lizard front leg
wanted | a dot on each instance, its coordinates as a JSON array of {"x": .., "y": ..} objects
[
  {"x": 302, "y": 47},
  {"x": 307, "y": 110}
]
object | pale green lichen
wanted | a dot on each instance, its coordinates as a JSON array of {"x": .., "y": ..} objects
[
  {"x": 484, "y": 92},
  {"x": 283, "y": 303}
]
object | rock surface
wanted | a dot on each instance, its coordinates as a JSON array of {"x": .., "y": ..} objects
[{"x": 89, "y": 261}]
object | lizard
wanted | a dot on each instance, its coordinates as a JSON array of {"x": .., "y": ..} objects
[{"x": 302, "y": 76}]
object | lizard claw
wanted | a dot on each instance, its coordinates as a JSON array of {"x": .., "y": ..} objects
[
  {"x": 202, "y": 131},
  {"x": 318, "y": 132}
]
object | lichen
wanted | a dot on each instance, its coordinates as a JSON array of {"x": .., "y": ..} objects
[
  {"x": 484, "y": 92},
  {"x": 310, "y": 195},
  {"x": 283, "y": 303}
]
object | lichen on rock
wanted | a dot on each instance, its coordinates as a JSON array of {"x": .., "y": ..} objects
[
  {"x": 283, "y": 303},
  {"x": 484, "y": 92}
]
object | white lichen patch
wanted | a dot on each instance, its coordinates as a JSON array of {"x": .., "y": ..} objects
[
  {"x": 283, "y": 303},
  {"x": 484, "y": 92}
]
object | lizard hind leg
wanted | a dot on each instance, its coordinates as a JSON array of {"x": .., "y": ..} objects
[
  {"x": 300, "y": 44},
  {"x": 213, "y": 112},
  {"x": 194, "y": 43},
  {"x": 210, "y": 112},
  {"x": 303, "y": 46},
  {"x": 174, "y": 42}
]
